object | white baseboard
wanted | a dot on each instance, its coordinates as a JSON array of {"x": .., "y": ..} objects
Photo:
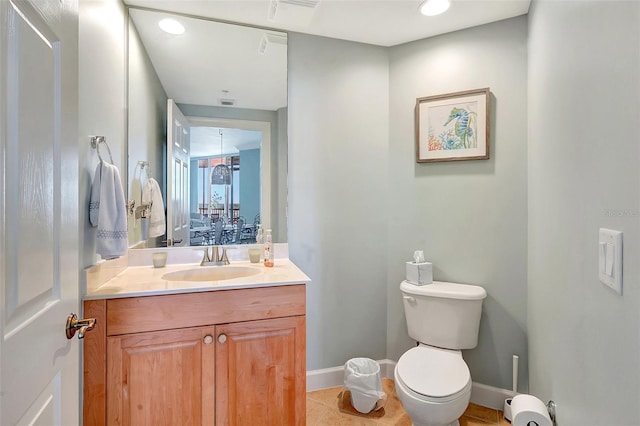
[
  {"x": 386, "y": 368},
  {"x": 325, "y": 378},
  {"x": 487, "y": 396}
]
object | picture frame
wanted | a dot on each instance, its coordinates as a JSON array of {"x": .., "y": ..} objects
[{"x": 453, "y": 126}]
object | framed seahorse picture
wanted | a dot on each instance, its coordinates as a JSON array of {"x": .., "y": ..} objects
[{"x": 453, "y": 126}]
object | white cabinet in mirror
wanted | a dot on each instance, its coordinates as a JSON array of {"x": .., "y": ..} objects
[{"x": 230, "y": 84}]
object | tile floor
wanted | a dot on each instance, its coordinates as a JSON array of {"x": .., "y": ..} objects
[{"x": 322, "y": 410}]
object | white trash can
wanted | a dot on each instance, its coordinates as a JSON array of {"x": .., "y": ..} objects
[{"x": 362, "y": 379}]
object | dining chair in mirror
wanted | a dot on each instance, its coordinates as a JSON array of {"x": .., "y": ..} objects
[{"x": 238, "y": 231}]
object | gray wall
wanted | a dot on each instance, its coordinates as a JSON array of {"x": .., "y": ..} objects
[
  {"x": 338, "y": 133},
  {"x": 249, "y": 184},
  {"x": 102, "y": 102},
  {"x": 584, "y": 162},
  {"x": 282, "y": 161},
  {"x": 359, "y": 204},
  {"x": 469, "y": 217}
]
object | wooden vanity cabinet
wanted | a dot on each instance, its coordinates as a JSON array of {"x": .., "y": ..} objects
[
  {"x": 228, "y": 357},
  {"x": 161, "y": 378},
  {"x": 257, "y": 377}
]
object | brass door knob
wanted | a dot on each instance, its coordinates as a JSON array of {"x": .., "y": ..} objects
[{"x": 83, "y": 325}]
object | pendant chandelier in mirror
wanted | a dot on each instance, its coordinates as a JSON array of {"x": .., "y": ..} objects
[{"x": 221, "y": 174}]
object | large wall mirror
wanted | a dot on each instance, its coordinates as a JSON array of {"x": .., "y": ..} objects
[{"x": 207, "y": 120}]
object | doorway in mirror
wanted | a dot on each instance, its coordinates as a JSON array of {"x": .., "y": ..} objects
[{"x": 224, "y": 185}]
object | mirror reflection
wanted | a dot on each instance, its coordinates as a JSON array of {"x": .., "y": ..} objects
[{"x": 207, "y": 121}]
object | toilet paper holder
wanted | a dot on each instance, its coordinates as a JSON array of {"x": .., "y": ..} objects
[{"x": 551, "y": 408}]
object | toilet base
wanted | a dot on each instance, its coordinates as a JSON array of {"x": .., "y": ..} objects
[
  {"x": 428, "y": 413},
  {"x": 456, "y": 423}
]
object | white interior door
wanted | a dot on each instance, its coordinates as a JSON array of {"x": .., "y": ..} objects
[
  {"x": 38, "y": 211},
  {"x": 178, "y": 147}
]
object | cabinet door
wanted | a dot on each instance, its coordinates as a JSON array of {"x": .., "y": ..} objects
[
  {"x": 161, "y": 378},
  {"x": 261, "y": 373}
]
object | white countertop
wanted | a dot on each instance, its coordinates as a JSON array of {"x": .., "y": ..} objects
[{"x": 147, "y": 281}]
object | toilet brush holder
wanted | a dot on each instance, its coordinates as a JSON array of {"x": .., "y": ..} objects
[{"x": 507, "y": 408}]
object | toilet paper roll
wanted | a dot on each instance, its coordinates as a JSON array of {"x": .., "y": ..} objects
[{"x": 527, "y": 410}]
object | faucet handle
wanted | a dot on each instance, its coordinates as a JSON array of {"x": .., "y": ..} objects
[
  {"x": 224, "y": 257},
  {"x": 205, "y": 258}
]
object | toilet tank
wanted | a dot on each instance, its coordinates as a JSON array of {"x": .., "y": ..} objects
[{"x": 445, "y": 315}]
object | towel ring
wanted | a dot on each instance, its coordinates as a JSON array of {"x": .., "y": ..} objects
[
  {"x": 95, "y": 144},
  {"x": 145, "y": 165},
  {"x": 142, "y": 166}
]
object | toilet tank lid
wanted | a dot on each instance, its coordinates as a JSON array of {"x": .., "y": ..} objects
[{"x": 445, "y": 290}]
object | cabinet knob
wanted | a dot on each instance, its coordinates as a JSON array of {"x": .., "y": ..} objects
[
  {"x": 208, "y": 339},
  {"x": 222, "y": 338}
]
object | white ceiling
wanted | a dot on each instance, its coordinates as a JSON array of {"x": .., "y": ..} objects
[
  {"x": 212, "y": 60},
  {"x": 380, "y": 22},
  {"x": 205, "y": 141}
]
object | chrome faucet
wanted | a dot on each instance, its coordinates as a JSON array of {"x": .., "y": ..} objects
[{"x": 216, "y": 258}]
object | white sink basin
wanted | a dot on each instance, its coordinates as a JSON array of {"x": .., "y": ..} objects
[{"x": 211, "y": 273}]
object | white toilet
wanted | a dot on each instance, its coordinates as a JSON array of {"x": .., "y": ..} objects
[{"x": 432, "y": 380}]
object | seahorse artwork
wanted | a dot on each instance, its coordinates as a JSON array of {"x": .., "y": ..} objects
[{"x": 463, "y": 135}]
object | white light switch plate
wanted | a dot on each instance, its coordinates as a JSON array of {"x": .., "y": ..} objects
[{"x": 610, "y": 259}]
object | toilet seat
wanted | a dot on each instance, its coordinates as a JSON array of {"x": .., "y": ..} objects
[{"x": 434, "y": 374}]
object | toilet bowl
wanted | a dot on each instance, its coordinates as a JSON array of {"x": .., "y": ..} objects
[{"x": 433, "y": 385}]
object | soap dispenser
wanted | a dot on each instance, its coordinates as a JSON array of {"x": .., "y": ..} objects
[{"x": 268, "y": 249}]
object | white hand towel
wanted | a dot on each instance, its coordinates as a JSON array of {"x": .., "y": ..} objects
[
  {"x": 151, "y": 193},
  {"x": 108, "y": 212}
]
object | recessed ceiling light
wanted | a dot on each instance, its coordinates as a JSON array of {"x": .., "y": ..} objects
[
  {"x": 171, "y": 26},
  {"x": 434, "y": 7}
]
